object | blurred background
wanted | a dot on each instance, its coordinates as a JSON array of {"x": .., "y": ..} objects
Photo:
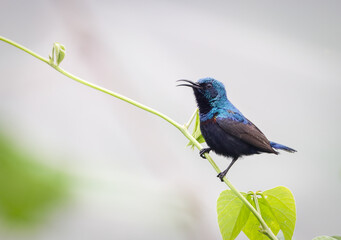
[{"x": 78, "y": 164}]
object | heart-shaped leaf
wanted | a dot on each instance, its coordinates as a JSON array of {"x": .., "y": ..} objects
[
  {"x": 232, "y": 214},
  {"x": 252, "y": 227},
  {"x": 281, "y": 203}
]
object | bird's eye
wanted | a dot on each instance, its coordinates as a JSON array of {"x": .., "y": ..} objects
[{"x": 208, "y": 86}]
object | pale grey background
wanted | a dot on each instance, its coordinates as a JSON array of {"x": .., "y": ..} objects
[{"x": 280, "y": 62}]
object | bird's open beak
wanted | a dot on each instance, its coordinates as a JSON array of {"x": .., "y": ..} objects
[{"x": 192, "y": 84}]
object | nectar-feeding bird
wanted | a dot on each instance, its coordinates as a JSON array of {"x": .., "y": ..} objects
[{"x": 225, "y": 129}]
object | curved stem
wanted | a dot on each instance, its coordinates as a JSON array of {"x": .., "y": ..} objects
[
  {"x": 119, "y": 96},
  {"x": 183, "y": 129},
  {"x": 17, "y": 45}
]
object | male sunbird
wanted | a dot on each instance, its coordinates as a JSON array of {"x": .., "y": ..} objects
[{"x": 225, "y": 129}]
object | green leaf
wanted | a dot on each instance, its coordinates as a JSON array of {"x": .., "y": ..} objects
[
  {"x": 232, "y": 214},
  {"x": 337, "y": 237},
  {"x": 252, "y": 227},
  {"x": 58, "y": 53},
  {"x": 196, "y": 132},
  {"x": 29, "y": 190},
  {"x": 327, "y": 238},
  {"x": 281, "y": 204}
]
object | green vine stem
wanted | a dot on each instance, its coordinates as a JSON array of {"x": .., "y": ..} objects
[
  {"x": 255, "y": 199},
  {"x": 182, "y": 128}
]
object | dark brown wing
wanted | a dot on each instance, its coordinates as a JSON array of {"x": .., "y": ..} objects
[{"x": 246, "y": 132}]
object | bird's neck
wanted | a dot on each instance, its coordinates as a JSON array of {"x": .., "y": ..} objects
[{"x": 210, "y": 110}]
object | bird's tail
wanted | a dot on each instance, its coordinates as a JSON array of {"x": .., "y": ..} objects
[{"x": 282, "y": 147}]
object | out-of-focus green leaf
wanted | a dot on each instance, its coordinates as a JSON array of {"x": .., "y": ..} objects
[
  {"x": 253, "y": 226},
  {"x": 326, "y": 238},
  {"x": 232, "y": 214},
  {"x": 196, "y": 132},
  {"x": 281, "y": 204},
  {"x": 28, "y": 189}
]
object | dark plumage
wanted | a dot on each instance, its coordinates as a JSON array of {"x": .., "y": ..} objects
[{"x": 225, "y": 129}]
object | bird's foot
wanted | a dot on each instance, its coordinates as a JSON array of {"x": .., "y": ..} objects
[
  {"x": 203, "y": 151},
  {"x": 221, "y": 176},
  {"x": 223, "y": 173}
]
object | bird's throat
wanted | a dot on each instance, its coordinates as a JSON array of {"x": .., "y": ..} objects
[{"x": 203, "y": 103}]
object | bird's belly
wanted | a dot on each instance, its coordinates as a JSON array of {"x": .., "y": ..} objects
[{"x": 223, "y": 143}]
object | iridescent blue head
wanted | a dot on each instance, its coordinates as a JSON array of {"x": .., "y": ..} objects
[{"x": 209, "y": 93}]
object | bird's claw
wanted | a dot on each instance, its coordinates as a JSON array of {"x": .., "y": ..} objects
[
  {"x": 203, "y": 151},
  {"x": 221, "y": 176}
]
